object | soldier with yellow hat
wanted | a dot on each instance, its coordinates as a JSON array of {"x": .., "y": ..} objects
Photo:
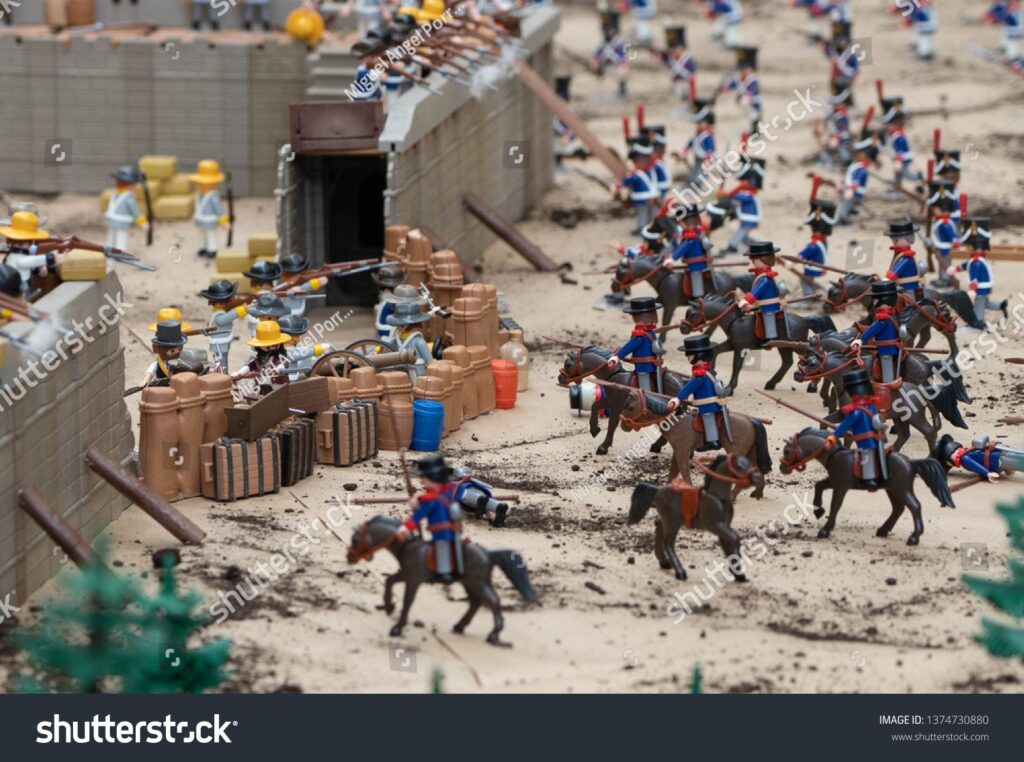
[
  {"x": 209, "y": 212},
  {"x": 269, "y": 365},
  {"x": 20, "y": 252}
]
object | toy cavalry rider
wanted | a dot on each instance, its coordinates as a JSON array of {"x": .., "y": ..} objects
[
  {"x": 706, "y": 390},
  {"x": 748, "y": 204},
  {"x": 904, "y": 270},
  {"x": 612, "y": 51},
  {"x": 22, "y": 234},
  {"x": 220, "y": 296},
  {"x": 292, "y": 268},
  {"x": 644, "y": 346},
  {"x": 660, "y": 170},
  {"x": 765, "y": 295},
  {"x": 388, "y": 279},
  {"x": 209, "y": 212},
  {"x": 167, "y": 345},
  {"x": 701, "y": 146},
  {"x": 862, "y": 421},
  {"x": 406, "y": 316},
  {"x": 727, "y": 15},
  {"x": 693, "y": 251},
  {"x": 855, "y": 182},
  {"x": 681, "y": 64},
  {"x": 944, "y": 235},
  {"x": 123, "y": 209},
  {"x": 978, "y": 237},
  {"x": 746, "y": 84},
  {"x": 984, "y": 457},
  {"x": 438, "y": 506},
  {"x": 821, "y": 218},
  {"x": 643, "y": 188},
  {"x": 884, "y": 333}
]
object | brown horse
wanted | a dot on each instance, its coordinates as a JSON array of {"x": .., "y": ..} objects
[
  {"x": 724, "y": 475},
  {"x": 811, "y": 444},
  {"x": 749, "y": 437},
  {"x": 380, "y": 533}
]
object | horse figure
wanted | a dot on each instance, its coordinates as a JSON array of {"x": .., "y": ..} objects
[
  {"x": 592, "y": 362},
  {"x": 668, "y": 284},
  {"x": 811, "y": 444},
  {"x": 740, "y": 337},
  {"x": 749, "y": 437},
  {"x": 380, "y": 533},
  {"x": 713, "y": 503}
]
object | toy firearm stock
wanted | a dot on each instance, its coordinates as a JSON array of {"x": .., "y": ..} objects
[{"x": 74, "y": 242}]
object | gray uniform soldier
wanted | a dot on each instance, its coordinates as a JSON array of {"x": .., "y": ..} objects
[
  {"x": 198, "y": 9},
  {"x": 405, "y": 316},
  {"x": 254, "y": 8},
  {"x": 220, "y": 296},
  {"x": 209, "y": 212},
  {"x": 297, "y": 297},
  {"x": 303, "y": 355},
  {"x": 123, "y": 211},
  {"x": 268, "y": 306}
]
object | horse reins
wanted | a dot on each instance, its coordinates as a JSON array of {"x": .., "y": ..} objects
[
  {"x": 735, "y": 476},
  {"x": 704, "y": 322},
  {"x": 641, "y": 279},
  {"x": 801, "y": 462},
  {"x": 945, "y": 326},
  {"x": 365, "y": 551}
]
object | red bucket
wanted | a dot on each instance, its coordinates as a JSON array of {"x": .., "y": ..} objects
[{"x": 506, "y": 382}]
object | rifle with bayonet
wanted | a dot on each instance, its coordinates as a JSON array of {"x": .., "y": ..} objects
[{"x": 63, "y": 245}]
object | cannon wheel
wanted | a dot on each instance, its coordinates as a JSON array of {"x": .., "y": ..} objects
[
  {"x": 325, "y": 365},
  {"x": 364, "y": 344}
]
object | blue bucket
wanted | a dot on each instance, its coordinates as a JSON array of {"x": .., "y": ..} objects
[{"x": 427, "y": 425}]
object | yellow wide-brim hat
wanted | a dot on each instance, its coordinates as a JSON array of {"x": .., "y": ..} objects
[
  {"x": 268, "y": 334},
  {"x": 24, "y": 227},
  {"x": 169, "y": 313},
  {"x": 207, "y": 173}
]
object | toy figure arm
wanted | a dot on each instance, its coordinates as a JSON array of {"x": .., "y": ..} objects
[{"x": 973, "y": 463}]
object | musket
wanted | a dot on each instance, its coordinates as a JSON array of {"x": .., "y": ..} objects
[
  {"x": 329, "y": 269},
  {"x": 892, "y": 184},
  {"x": 805, "y": 278},
  {"x": 149, "y": 208},
  {"x": 434, "y": 309},
  {"x": 360, "y": 270},
  {"x": 21, "y": 308},
  {"x": 405, "y": 473},
  {"x": 137, "y": 389},
  {"x": 110, "y": 252},
  {"x": 809, "y": 263},
  {"x": 794, "y": 408},
  {"x": 231, "y": 210}
]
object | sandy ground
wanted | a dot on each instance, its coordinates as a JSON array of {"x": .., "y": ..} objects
[{"x": 853, "y": 613}]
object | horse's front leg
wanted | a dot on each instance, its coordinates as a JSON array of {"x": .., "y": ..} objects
[
  {"x": 838, "y": 493},
  {"x": 925, "y": 336},
  {"x": 896, "y": 504},
  {"x": 659, "y": 444},
  {"x": 954, "y": 350},
  {"x": 614, "y": 410},
  {"x": 670, "y": 549},
  {"x": 389, "y": 584},
  {"x": 787, "y": 363},
  {"x": 730, "y": 542},
  {"x": 474, "y": 605},
  {"x": 595, "y": 414},
  {"x": 403, "y": 619},
  {"x": 738, "y": 356},
  {"x": 659, "y": 544},
  {"x": 819, "y": 495}
]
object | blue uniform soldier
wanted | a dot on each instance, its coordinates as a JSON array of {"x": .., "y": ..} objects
[
  {"x": 904, "y": 270},
  {"x": 437, "y": 505},
  {"x": 681, "y": 64},
  {"x": 984, "y": 457},
  {"x": 660, "y": 170},
  {"x": 862, "y": 421},
  {"x": 883, "y": 335},
  {"x": 765, "y": 295},
  {"x": 612, "y": 52},
  {"x": 923, "y": 19},
  {"x": 1009, "y": 15},
  {"x": 701, "y": 146},
  {"x": 944, "y": 235},
  {"x": 844, "y": 55},
  {"x": 727, "y": 15},
  {"x": 838, "y": 138},
  {"x": 693, "y": 251},
  {"x": 978, "y": 236},
  {"x": 641, "y": 184},
  {"x": 821, "y": 218},
  {"x": 746, "y": 84},
  {"x": 643, "y": 12},
  {"x": 705, "y": 389},
  {"x": 947, "y": 167},
  {"x": 747, "y": 203},
  {"x": 895, "y": 120},
  {"x": 644, "y": 346},
  {"x": 855, "y": 183}
]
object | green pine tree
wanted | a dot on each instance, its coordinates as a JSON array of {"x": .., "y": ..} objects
[
  {"x": 437, "y": 681},
  {"x": 1004, "y": 639},
  {"x": 697, "y": 680}
]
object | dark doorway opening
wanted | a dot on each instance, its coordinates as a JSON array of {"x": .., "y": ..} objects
[{"x": 353, "y": 221}]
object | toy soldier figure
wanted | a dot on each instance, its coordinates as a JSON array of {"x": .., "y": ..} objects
[
  {"x": 22, "y": 234},
  {"x": 303, "y": 355},
  {"x": 924, "y": 21},
  {"x": 366, "y": 86},
  {"x": 406, "y": 316},
  {"x": 209, "y": 214},
  {"x": 172, "y": 314},
  {"x": 904, "y": 270},
  {"x": 643, "y": 188},
  {"x": 884, "y": 333},
  {"x": 820, "y": 219},
  {"x": 652, "y": 243},
  {"x": 199, "y": 7},
  {"x": 269, "y": 364},
  {"x": 748, "y": 205},
  {"x": 984, "y": 457},
  {"x": 764, "y": 295},
  {"x": 388, "y": 279},
  {"x": 746, "y": 84},
  {"x": 660, "y": 170},
  {"x": 702, "y": 145},
  {"x": 895, "y": 121},
  {"x": 24, "y": 206},
  {"x": 123, "y": 210},
  {"x": 867, "y": 427},
  {"x": 266, "y": 306},
  {"x": 437, "y": 505},
  {"x": 292, "y": 267},
  {"x": 262, "y": 275},
  {"x": 706, "y": 390},
  {"x": 477, "y": 497},
  {"x": 167, "y": 345},
  {"x": 644, "y": 346},
  {"x": 947, "y": 167},
  {"x": 681, "y": 65},
  {"x": 838, "y": 138},
  {"x": 694, "y": 251},
  {"x": 220, "y": 296},
  {"x": 567, "y": 142},
  {"x": 844, "y": 56},
  {"x": 855, "y": 182},
  {"x": 254, "y": 8},
  {"x": 944, "y": 235},
  {"x": 1008, "y": 13},
  {"x": 978, "y": 236},
  {"x": 612, "y": 51},
  {"x": 642, "y": 12},
  {"x": 727, "y": 15}
]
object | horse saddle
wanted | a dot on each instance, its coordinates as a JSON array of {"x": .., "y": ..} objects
[
  {"x": 687, "y": 284},
  {"x": 759, "y": 324},
  {"x": 884, "y": 393},
  {"x": 689, "y": 500},
  {"x": 457, "y": 567},
  {"x": 723, "y": 430}
]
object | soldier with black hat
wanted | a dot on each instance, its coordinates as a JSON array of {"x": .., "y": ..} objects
[
  {"x": 303, "y": 354},
  {"x": 439, "y": 508},
  {"x": 262, "y": 275},
  {"x": 644, "y": 345},
  {"x": 167, "y": 345},
  {"x": 820, "y": 219},
  {"x": 612, "y": 51},
  {"x": 706, "y": 390},
  {"x": 693, "y": 251},
  {"x": 681, "y": 64},
  {"x": 844, "y": 55},
  {"x": 838, "y": 137},
  {"x": 904, "y": 269},
  {"x": 220, "y": 295},
  {"x": 884, "y": 334},
  {"x": 862, "y": 421},
  {"x": 855, "y": 182},
  {"x": 944, "y": 234},
  {"x": 702, "y": 144},
  {"x": 292, "y": 268},
  {"x": 895, "y": 121},
  {"x": 660, "y": 170},
  {"x": 747, "y": 203},
  {"x": 641, "y": 183},
  {"x": 978, "y": 236},
  {"x": 947, "y": 167},
  {"x": 765, "y": 295},
  {"x": 746, "y": 83},
  {"x": 986, "y": 458}
]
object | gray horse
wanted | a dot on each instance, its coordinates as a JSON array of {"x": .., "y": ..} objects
[{"x": 380, "y": 533}]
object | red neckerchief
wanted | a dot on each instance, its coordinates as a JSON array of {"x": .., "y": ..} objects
[
  {"x": 817, "y": 238},
  {"x": 976, "y": 255},
  {"x": 700, "y": 368},
  {"x": 840, "y": 109},
  {"x": 763, "y": 271},
  {"x": 643, "y": 249},
  {"x": 895, "y": 131},
  {"x": 690, "y": 233},
  {"x": 884, "y": 312},
  {"x": 902, "y": 251},
  {"x": 704, "y": 131},
  {"x": 743, "y": 186},
  {"x": 864, "y": 163},
  {"x": 958, "y": 455},
  {"x": 943, "y": 218},
  {"x": 860, "y": 403},
  {"x": 642, "y": 329}
]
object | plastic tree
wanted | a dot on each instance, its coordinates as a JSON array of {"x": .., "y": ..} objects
[
  {"x": 696, "y": 680},
  {"x": 1004, "y": 639},
  {"x": 437, "y": 681}
]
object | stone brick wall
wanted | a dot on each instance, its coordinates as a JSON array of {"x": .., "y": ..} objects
[{"x": 49, "y": 419}]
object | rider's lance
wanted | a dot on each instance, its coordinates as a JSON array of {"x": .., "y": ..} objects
[
  {"x": 405, "y": 472},
  {"x": 782, "y": 402},
  {"x": 815, "y": 265}
]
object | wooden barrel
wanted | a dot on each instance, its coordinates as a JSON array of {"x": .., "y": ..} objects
[
  {"x": 365, "y": 382},
  {"x": 158, "y": 433},
  {"x": 447, "y": 372},
  {"x": 467, "y": 322},
  {"x": 417, "y": 257},
  {"x": 458, "y": 355},
  {"x": 191, "y": 422},
  {"x": 483, "y": 376},
  {"x": 81, "y": 12},
  {"x": 217, "y": 396},
  {"x": 396, "y": 415}
]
